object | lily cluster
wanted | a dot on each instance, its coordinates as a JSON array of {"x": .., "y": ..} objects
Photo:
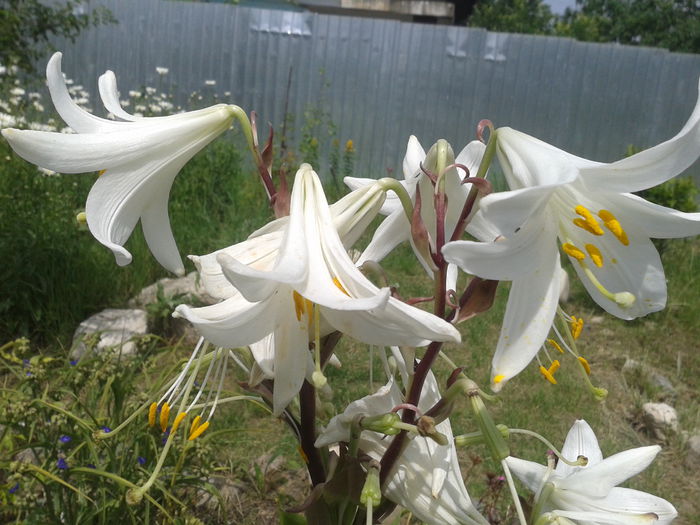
[{"x": 287, "y": 294}]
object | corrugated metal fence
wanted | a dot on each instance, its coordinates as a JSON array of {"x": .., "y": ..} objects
[{"x": 382, "y": 80}]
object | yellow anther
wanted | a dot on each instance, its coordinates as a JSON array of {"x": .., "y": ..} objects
[
  {"x": 152, "y": 414},
  {"x": 585, "y": 364},
  {"x": 198, "y": 431},
  {"x": 572, "y": 251},
  {"x": 595, "y": 254},
  {"x": 588, "y": 223},
  {"x": 612, "y": 224},
  {"x": 177, "y": 421},
  {"x": 101, "y": 172},
  {"x": 497, "y": 379},
  {"x": 195, "y": 424},
  {"x": 578, "y": 221},
  {"x": 555, "y": 345},
  {"x": 339, "y": 286},
  {"x": 576, "y": 326},
  {"x": 554, "y": 366},
  {"x": 164, "y": 416},
  {"x": 302, "y": 306},
  {"x": 547, "y": 375}
]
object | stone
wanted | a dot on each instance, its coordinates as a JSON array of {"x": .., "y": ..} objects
[
  {"x": 229, "y": 494},
  {"x": 659, "y": 419},
  {"x": 666, "y": 389},
  {"x": 189, "y": 287},
  {"x": 692, "y": 457},
  {"x": 115, "y": 328}
]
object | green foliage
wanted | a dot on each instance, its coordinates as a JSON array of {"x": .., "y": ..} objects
[
  {"x": 27, "y": 27},
  {"x": 54, "y": 273},
  {"x": 52, "y": 469},
  {"x": 671, "y": 24},
  {"x": 513, "y": 16}
]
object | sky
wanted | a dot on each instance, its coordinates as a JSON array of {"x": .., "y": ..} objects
[{"x": 558, "y": 6}]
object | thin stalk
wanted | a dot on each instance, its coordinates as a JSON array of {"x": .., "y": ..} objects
[{"x": 514, "y": 493}]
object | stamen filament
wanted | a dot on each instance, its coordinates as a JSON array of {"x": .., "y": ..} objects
[
  {"x": 622, "y": 299},
  {"x": 318, "y": 379}
]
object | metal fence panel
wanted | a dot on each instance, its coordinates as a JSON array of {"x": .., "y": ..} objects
[{"x": 382, "y": 80}]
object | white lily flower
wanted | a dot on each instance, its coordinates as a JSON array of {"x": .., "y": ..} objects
[
  {"x": 427, "y": 478},
  {"x": 311, "y": 268},
  {"x": 589, "y": 494},
  {"x": 604, "y": 231},
  {"x": 396, "y": 229},
  {"x": 351, "y": 216},
  {"x": 138, "y": 159}
]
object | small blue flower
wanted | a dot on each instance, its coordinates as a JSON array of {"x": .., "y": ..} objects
[
  {"x": 13, "y": 489},
  {"x": 165, "y": 435},
  {"x": 106, "y": 430},
  {"x": 73, "y": 362},
  {"x": 61, "y": 464},
  {"x": 90, "y": 465},
  {"x": 65, "y": 439},
  {"x": 141, "y": 460}
]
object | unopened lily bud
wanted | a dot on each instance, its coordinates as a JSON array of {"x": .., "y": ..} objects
[
  {"x": 426, "y": 428},
  {"x": 383, "y": 423},
  {"x": 494, "y": 440},
  {"x": 371, "y": 494},
  {"x": 477, "y": 438}
]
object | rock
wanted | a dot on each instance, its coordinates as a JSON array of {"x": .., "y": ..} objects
[
  {"x": 30, "y": 455},
  {"x": 188, "y": 287},
  {"x": 663, "y": 383},
  {"x": 692, "y": 457},
  {"x": 115, "y": 328},
  {"x": 229, "y": 492},
  {"x": 659, "y": 419}
]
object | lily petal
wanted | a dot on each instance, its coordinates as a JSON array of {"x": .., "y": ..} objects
[
  {"x": 234, "y": 322},
  {"x": 530, "y": 310},
  {"x": 107, "y": 85},
  {"x": 529, "y": 472},
  {"x": 621, "y": 506},
  {"x": 506, "y": 259},
  {"x": 599, "y": 479},
  {"x": 291, "y": 344},
  {"x": 389, "y": 234},
  {"x": 76, "y": 117},
  {"x": 652, "y": 166},
  {"x": 580, "y": 441},
  {"x": 656, "y": 221}
]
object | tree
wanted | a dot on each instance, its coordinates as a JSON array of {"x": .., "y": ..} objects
[
  {"x": 513, "y": 16},
  {"x": 671, "y": 24},
  {"x": 27, "y": 27}
]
